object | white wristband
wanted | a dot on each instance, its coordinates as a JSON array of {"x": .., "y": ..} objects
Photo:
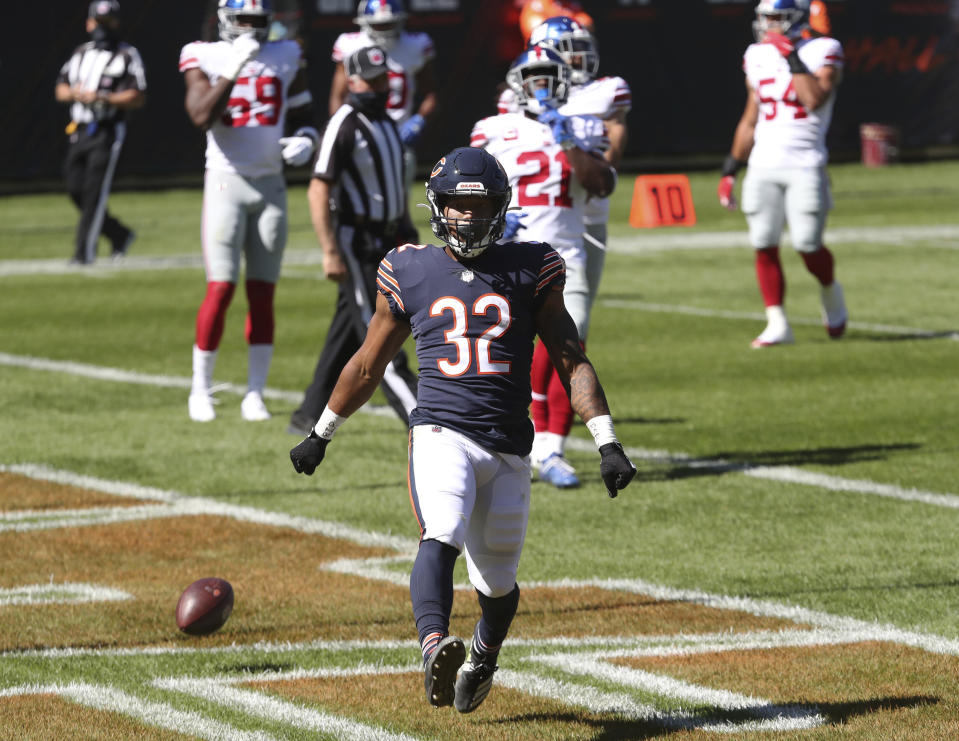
[
  {"x": 602, "y": 430},
  {"x": 328, "y": 423}
]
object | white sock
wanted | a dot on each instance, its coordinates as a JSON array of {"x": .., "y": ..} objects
[
  {"x": 553, "y": 443},
  {"x": 260, "y": 357},
  {"x": 203, "y": 363},
  {"x": 776, "y": 317}
]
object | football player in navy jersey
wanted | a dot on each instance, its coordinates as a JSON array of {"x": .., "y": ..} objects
[{"x": 474, "y": 307}]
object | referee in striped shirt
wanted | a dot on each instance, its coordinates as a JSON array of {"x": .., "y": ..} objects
[
  {"x": 101, "y": 81},
  {"x": 357, "y": 200}
]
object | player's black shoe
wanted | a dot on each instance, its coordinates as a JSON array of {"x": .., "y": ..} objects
[
  {"x": 440, "y": 671},
  {"x": 474, "y": 683}
]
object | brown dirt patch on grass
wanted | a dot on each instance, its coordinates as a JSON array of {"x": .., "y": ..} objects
[
  {"x": 46, "y": 717},
  {"x": 22, "y": 493},
  {"x": 587, "y": 611},
  {"x": 866, "y": 690},
  {"x": 398, "y": 702}
]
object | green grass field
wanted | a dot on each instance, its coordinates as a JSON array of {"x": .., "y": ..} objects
[{"x": 785, "y": 564}]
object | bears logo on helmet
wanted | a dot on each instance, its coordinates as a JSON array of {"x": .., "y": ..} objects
[{"x": 472, "y": 172}]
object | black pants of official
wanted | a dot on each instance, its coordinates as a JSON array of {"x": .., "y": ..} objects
[
  {"x": 88, "y": 171},
  {"x": 355, "y": 304}
]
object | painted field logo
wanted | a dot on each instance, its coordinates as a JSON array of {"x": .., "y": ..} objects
[{"x": 307, "y": 648}]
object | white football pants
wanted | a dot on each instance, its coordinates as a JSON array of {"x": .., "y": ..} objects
[
  {"x": 775, "y": 196},
  {"x": 243, "y": 216},
  {"x": 473, "y": 499}
]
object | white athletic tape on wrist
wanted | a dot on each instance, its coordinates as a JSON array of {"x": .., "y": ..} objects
[
  {"x": 602, "y": 430},
  {"x": 328, "y": 423}
]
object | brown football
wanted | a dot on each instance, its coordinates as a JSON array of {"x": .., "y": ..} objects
[{"x": 204, "y": 606}]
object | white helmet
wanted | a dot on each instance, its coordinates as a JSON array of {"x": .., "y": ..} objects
[
  {"x": 256, "y": 14},
  {"x": 540, "y": 78},
  {"x": 791, "y": 17},
  {"x": 382, "y": 20}
]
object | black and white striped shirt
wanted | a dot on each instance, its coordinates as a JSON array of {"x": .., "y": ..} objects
[
  {"x": 102, "y": 70},
  {"x": 363, "y": 156}
]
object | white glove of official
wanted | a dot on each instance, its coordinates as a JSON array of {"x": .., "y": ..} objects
[
  {"x": 243, "y": 48},
  {"x": 298, "y": 149}
]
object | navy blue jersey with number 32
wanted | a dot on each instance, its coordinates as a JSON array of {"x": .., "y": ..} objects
[{"x": 473, "y": 323}]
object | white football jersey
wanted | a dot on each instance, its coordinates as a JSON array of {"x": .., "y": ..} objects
[
  {"x": 404, "y": 59},
  {"x": 603, "y": 97},
  {"x": 246, "y": 138},
  {"x": 788, "y": 135},
  {"x": 544, "y": 185}
]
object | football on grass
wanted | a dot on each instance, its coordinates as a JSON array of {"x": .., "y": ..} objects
[{"x": 204, "y": 606}]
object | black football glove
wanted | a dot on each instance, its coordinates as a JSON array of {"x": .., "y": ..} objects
[
  {"x": 615, "y": 468},
  {"x": 308, "y": 454}
]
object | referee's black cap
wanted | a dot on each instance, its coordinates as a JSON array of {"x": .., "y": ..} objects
[
  {"x": 368, "y": 63},
  {"x": 104, "y": 8}
]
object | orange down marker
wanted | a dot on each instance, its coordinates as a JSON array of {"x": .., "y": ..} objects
[{"x": 662, "y": 200}]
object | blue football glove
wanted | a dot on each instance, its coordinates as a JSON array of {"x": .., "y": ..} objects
[
  {"x": 560, "y": 126},
  {"x": 411, "y": 129},
  {"x": 513, "y": 224}
]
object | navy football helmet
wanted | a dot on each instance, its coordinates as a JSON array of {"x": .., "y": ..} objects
[
  {"x": 468, "y": 171},
  {"x": 382, "y": 20},
  {"x": 257, "y": 12},
  {"x": 540, "y": 79},
  {"x": 788, "y": 17},
  {"x": 573, "y": 42}
]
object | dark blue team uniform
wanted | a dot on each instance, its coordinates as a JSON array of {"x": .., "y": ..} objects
[{"x": 473, "y": 323}]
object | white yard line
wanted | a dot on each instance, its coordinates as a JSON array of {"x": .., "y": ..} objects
[
  {"x": 789, "y": 474},
  {"x": 373, "y": 568},
  {"x": 941, "y": 236},
  {"x": 62, "y": 593},
  {"x": 152, "y": 713},
  {"x": 273, "y": 709},
  {"x": 756, "y": 316},
  {"x": 945, "y": 236}
]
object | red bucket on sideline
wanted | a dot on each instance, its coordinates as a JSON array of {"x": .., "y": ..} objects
[{"x": 880, "y": 144}]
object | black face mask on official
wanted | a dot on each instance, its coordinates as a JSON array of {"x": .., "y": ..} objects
[
  {"x": 104, "y": 37},
  {"x": 371, "y": 103}
]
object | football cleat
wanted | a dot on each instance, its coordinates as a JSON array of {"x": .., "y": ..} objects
[
  {"x": 201, "y": 408},
  {"x": 778, "y": 335},
  {"x": 558, "y": 472},
  {"x": 473, "y": 684},
  {"x": 440, "y": 671},
  {"x": 834, "y": 314},
  {"x": 253, "y": 409}
]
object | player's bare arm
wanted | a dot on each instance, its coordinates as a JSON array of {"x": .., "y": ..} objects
[
  {"x": 557, "y": 330},
  {"x": 594, "y": 173},
  {"x": 385, "y": 336},
  {"x": 205, "y": 101},
  {"x": 813, "y": 89},
  {"x": 318, "y": 197},
  {"x": 426, "y": 86},
  {"x": 338, "y": 89},
  {"x": 746, "y": 128},
  {"x": 618, "y": 135}
]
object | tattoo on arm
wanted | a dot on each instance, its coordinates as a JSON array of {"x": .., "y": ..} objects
[{"x": 558, "y": 332}]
